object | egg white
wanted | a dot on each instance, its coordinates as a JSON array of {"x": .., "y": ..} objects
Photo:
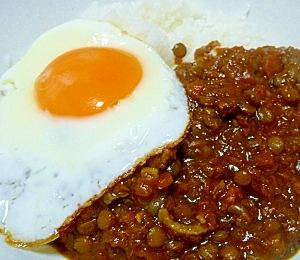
[{"x": 50, "y": 166}]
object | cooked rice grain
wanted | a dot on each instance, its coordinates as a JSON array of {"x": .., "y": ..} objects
[{"x": 162, "y": 24}]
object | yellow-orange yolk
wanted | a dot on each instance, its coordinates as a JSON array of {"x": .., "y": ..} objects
[{"x": 86, "y": 81}]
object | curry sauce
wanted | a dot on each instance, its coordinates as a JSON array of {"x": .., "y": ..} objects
[{"x": 230, "y": 189}]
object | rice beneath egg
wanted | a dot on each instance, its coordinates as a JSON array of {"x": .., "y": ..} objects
[{"x": 162, "y": 24}]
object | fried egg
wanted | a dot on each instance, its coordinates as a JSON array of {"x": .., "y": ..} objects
[{"x": 85, "y": 105}]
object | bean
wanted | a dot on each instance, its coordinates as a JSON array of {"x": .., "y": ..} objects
[
  {"x": 149, "y": 175},
  {"x": 242, "y": 178},
  {"x": 290, "y": 95},
  {"x": 105, "y": 219},
  {"x": 143, "y": 190},
  {"x": 265, "y": 115},
  {"x": 276, "y": 144},
  {"x": 179, "y": 50},
  {"x": 175, "y": 168},
  {"x": 155, "y": 204},
  {"x": 229, "y": 253},
  {"x": 165, "y": 180},
  {"x": 278, "y": 80},
  {"x": 89, "y": 213},
  {"x": 149, "y": 172},
  {"x": 83, "y": 244},
  {"x": 119, "y": 191},
  {"x": 156, "y": 237},
  {"x": 208, "y": 251},
  {"x": 220, "y": 236},
  {"x": 86, "y": 226},
  {"x": 293, "y": 71}
]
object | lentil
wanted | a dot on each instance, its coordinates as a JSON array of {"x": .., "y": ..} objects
[{"x": 179, "y": 50}]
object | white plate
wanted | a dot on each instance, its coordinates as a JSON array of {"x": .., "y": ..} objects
[{"x": 21, "y": 22}]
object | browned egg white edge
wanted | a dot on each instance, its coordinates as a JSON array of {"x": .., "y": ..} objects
[{"x": 141, "y": 161}]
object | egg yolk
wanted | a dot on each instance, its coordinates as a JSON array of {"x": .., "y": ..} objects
[{"x": 86, "y": 81}]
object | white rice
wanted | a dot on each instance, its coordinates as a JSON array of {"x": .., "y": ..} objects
[{"x": 163, "y": 23}]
